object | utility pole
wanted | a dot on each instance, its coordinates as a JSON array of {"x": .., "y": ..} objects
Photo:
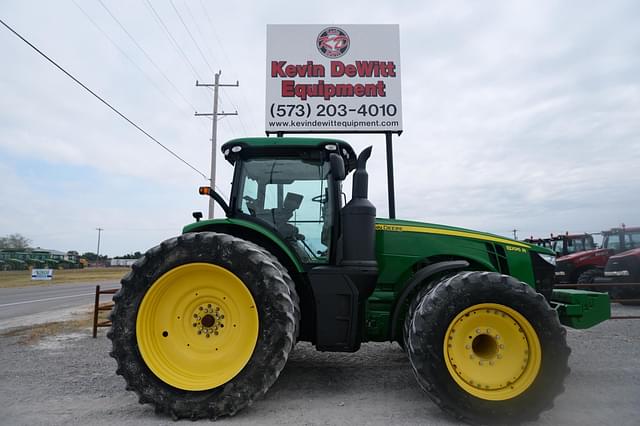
[
  {"x": 98, "y": 251},
  {"x": 214, "y": 129}
]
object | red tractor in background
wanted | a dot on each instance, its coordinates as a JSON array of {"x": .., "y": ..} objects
[
  {"x": 623, "y": 268},
  {"x": 585, "y": 266},
  {"x": 540, "y": 242},
  {"x": 572, "y": 243},
  {"x": 565, "y": 244}
]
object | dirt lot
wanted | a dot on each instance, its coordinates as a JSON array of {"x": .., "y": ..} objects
[{"x": 59, "y": 375}]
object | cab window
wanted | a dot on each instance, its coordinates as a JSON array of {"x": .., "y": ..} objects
[
  {"x": 291, "y": 195},
  {"x": 613, "y": 241},
  {"x": 633, "y": 239}
]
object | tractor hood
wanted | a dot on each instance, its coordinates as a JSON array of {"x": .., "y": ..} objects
[
  {"x": 392, "y": 225},
  {"x": 583, "y": 255},
  {"x": 629, "y": 253},
  {"x": 624, "y": 267}
]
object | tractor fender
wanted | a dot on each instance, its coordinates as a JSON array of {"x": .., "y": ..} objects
[
  {"x": 250, "y": 231},
  {"x": 419, "y": 277}
]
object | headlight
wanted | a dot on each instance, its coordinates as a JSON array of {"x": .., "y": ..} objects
[
  {"x": 549, "y": 258},
  {"x": 622, "y": 273}
]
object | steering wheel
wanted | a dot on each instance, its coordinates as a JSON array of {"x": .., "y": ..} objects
[{"x": 319, "y": 199}]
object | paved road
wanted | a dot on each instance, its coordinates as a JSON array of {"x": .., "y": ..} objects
[{"x": 26, "y": 305}]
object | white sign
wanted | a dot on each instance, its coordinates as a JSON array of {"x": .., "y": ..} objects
[
  {"x": 333, "y": 78},
  {"x": 41, "y": 274}
]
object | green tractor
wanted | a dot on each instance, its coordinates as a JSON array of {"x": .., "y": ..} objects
[{"x": 204, "y": 323}]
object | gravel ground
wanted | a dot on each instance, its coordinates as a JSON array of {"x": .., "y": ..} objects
[{"x": 68, "y": 379}]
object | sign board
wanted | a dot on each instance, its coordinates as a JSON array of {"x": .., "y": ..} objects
[
  {"x": 41, "y": 274},
  {"x": 333, "y": 78}
]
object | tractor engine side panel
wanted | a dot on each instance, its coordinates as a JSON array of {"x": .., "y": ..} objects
[{"x": 400, "y": 254}]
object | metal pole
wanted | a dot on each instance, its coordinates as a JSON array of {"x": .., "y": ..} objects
[
  {"x": 390, "y": 183},
  {"x": 214, "y": 137},
  {"x": 98, "y": 251},
  {"x": 214, "y": 130},
  {"x": 95, "y": 312}
]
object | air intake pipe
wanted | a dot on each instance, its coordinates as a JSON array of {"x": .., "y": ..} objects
[{"x": 358, "y": 219}]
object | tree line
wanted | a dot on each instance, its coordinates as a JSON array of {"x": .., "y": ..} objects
[{"x": 20, "y": 242}]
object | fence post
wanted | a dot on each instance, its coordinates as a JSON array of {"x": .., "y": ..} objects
[{"x": 95, "y": 312}]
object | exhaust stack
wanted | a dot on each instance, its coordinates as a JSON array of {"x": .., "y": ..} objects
[{"x": 358, "y": 219}]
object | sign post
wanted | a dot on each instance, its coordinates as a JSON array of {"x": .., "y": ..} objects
[{"x": 335, "y": 79}]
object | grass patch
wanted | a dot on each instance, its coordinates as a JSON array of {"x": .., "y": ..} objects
[{"x": 62, "y": 276}]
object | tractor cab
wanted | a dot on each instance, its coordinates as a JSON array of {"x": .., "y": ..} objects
[
  {"x": 292, "y": 190},
  {"x": 572, "y": 243},
  {"x": 621, "y": 239}
]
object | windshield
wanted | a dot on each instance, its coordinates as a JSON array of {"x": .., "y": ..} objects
[
  {"x": 292, "y": 196},
  {"x": 558, "y": 247},
  {"x": 612, "y": 241},
  {"x": 633, "y": 239},
  {"x": 575, "y": 245}
]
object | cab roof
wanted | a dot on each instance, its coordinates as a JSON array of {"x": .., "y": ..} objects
[{"x": 275, "y": 145}]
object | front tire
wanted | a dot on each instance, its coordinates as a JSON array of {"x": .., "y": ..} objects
[
  {"x": 589, "y": 276},
  {"x": 406, "y": 326},
  {"x": 488, "y": 349},
  {"x": 203, "y": 325}
]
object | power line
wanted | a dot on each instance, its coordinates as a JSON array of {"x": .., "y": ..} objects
[
  {"x": 173, "y": 40},
  {"x": 147, "y": 76},
  {"x": 192, "y": 38},
  {"x": 231, "y": 128},
  {"x": 228, "y": 98},
  {"x": 101, "y": 99},
  {"x": 226, "y": 57},
  {"x": 200, "y": 32},
  {"x": 226, "y": 95},
  {"x": 214, "y": 31},
  {"x": 195, "y": 22},
  {"x": 145, "y": 54}
]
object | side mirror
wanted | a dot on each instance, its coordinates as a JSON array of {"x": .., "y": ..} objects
[
  {"x": 207, "y": 190},
  {"x": 337, "y": 167}
]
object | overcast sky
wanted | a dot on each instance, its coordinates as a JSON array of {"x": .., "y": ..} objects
[{"x": 520, "y": 115}]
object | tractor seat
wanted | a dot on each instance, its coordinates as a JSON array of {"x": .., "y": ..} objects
[{"x": 281, "y": 216}]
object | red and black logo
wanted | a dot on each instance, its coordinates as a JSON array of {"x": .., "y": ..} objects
[{"x": 333, "y": 42}]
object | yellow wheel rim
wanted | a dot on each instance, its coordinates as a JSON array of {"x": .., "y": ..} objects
[
  {"x": 197, "y": 326},
  {"x": 492, "y": 352}
]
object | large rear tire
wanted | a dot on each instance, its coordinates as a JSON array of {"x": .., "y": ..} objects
[
  {"x": 488, "y": 349},
  {"x": 203, "y": 325}
]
